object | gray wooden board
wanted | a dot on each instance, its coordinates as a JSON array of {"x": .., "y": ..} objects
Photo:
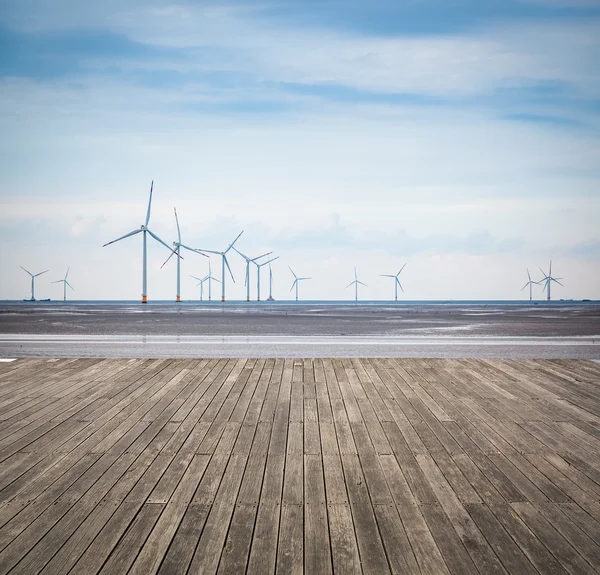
[{"x": 299, "y": 465}]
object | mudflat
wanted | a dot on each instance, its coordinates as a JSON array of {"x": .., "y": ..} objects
[{"x": 306, "y": 319}]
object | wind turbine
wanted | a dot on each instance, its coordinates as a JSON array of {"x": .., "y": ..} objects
[
  {"x": 178, "y": 245},
  {"x": 530, "y": 284},
  {"x": 396, "y": 281},
  {"x": 144, "y": 230},
  {"x": 258, "y": 266},
  {"x": 248, "y": 261},
  {"x": 224, "y": 263},
  {"x": 548, "y": 279},
  {"x": 297, "y": 280},
  {"x": 33, "y": 276},
  {"x": 356, "y": 282},
  {"x": 270, "y": 298},
  {"x": 65, "y": 284}
]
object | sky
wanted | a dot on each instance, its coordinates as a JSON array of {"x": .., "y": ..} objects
[{"x": 457, "y": 136}]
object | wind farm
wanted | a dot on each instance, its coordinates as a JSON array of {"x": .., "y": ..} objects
[{"x": 265, "y": 258}]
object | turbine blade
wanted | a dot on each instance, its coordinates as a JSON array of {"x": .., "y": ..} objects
[
  {"x": 545, "y": 276},
  {"x": 165, "y": 262},
  {"x": 524, "y": 286},
  {"x": 193, "y": 250},
  {"x": 123, "y": 237},
  {"x": 355, "y": 276},
  {"x": 350, "y": 284},
  {"x": 387, "y": 276},
  {"x": 268, "y": 262},
  {"x": 70, "y": 285},
  {"x": 555, "y": 280},
  {"x": 294, "y": 283},
  {"x": 240, "y": 253},
  {"x": 196, "y": 278},
  {"x": 233, "y": 242},
  {"x": 58, "y": 282},
  {"x": 550, "y": 270},
  {"x": 67, "y": 272},
  {"x": 207, "y": 251},
  {"x": 290, "y": 270},
  {"x": 36, "y": 275},
  {"x": 163, "y": 243},
  {"x": 528, "y": 275},
  {"x": 400, "y": 285},
  {"x": 26, "y": 271},
  {"x": 258, "y": 257},
  {"x": 149, "y": 204},
  {"x": 227, "y": 264},
  {"x": 400, "y": 270},
  {"x": 362, "y": 284},
  {"x": 178, "y": 230},
  {"x": 216, "y": 280}
]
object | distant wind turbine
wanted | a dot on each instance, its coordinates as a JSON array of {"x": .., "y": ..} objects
[
  {"x": 355, "y": 283},
  {"x": 248, "y": 262},
  {"x": 548, "y": 279},
  {"x": 270, "y": 298},
  {"x": 65, "y": 284},
  {"x": 144, "y": 229},
  {"x": 530, "y": 283},
  {"x": 258, "y": 268},
  {"x": 33, "y": 276},
  {"x": 224, "y": 263},
  {"x": 396, "y": 281},
  {"x": 177, "y": 252},
  {"x": 297, "y": 280},
  {"x": 209, "y": 278}
]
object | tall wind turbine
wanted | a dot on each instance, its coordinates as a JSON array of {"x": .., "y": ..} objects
[
  {"x": 297, "y": 280},
  {"x": 178, "y": 245},
  {"x": 530, "y": 284},
  {"x": 224, "y": 263},
  {"x": 33, "y": 276},
  {"x": 355, "y": 283},
  {"x": 65, "y": 284},
  {"x": 248, "y": 261},
  {"x": 396, "y": 281},
  {"x": 144, "y": 229},
  {"x": 270, "y": 298},
  {"x": 548, "y": 279},
  {"x": 258, "y": 267}
]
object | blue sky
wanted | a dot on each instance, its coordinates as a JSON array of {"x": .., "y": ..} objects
[{"x": 460, "y": 136}]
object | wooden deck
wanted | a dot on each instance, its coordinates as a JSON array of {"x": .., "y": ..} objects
[{"x": 316, "y": 466}]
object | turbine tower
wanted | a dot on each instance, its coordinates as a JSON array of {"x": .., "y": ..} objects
[
  {"x": 178, "y": 245},
  {"x": 33, "y": 276},
  {"x": 224, "y": 263},
  {"x": 145, "y": 230},
  {"x": 355, "y": 283},
  {"x": 548, "y": 279},
  {"x": 396, "y": 281},
  {"x": 258, "y": 267},
  {"x": 248, "y": 261},
  {"x": 530, "y": 284},
  {"x": 65, "y": 284},
  {"x": 297, "y": 280}
]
